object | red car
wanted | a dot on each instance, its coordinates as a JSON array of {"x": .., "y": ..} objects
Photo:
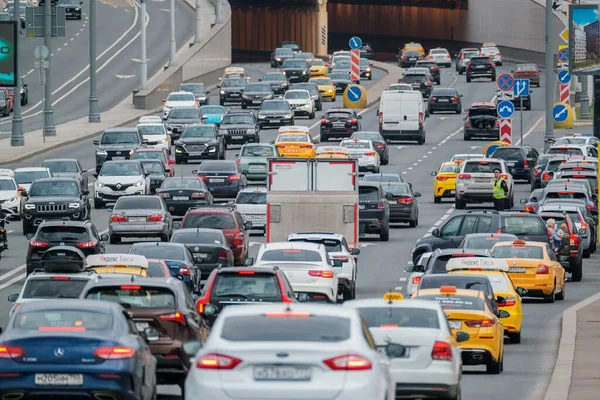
[
  {"x": 10, "y": 96},
  {"x": 528, "y": 71},
  {"x": 155, "y": 154}
]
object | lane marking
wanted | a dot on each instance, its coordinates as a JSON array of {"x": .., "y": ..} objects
[
  {"x": 11, "y": 273},
  {"x": 12, "y": 281},
  {"x": 403, "y": 279},
  {"x": 540, "y": 119}
]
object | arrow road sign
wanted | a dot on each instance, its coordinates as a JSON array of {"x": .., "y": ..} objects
[
  {"x": 521, "y": 87},
  {"x": 355, "y": 43},
  {"x": 563, "y": 76},
  {"x": 505, "y": 109},
  {"x": 560, "y": 112},
  {"x": 354, "y": 94},
  {"x": 563, "y": 55},
  {"x": 505, "y": 82}
]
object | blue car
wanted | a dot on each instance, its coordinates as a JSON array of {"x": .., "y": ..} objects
[
  {"x": 212, "y": 114},
  {"x": 223, "y": 178},
  {"x": 76, "y": 349}
]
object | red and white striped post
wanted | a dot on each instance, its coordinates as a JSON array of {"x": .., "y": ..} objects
[
  {"x": 506, "y": 130},
  {"x": 355, "y": 66},
  {"x": 565, "y": 93}
]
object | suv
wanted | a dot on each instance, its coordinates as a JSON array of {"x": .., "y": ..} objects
[
  {"x": 339, "y": 123},
  {"x": 481, "y": 67},
  {"x": 279, "y": 55},
  {"x": 434, "y": 69},
  {"x": 314, "y": 91},
  {"x": 120, "y": 178},
  {"x": 296, "y": 70},
  {"x": 228, "y": 220},
  {"x": 418, "y": 81},
  {"x": 198, "y": 142},
  {"x": 519, "y": 160},
  {"x": 474, "y": 182},
  {"x": 374, "y": 214},
  {"x": 232, "y": 89},
  {"x": 463, "y": 58},
  {"x": 67, "y": 168},
  {"x": 80, "y": 234},
  {"x": 481, "y": 121},
  {"x": 179, "y": 118},
  {"x": 551, "y": 167},
  {"x": 574, "y": 258},
  {"x": 117, "y": 144},
  {"x": 239, "y": 127},
  {"x": 164, "y": 310},
  {"x": 54, "y": 198},
  {"x": 255, "y": 94}
]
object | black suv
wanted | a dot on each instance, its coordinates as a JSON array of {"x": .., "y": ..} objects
[
  {"x": 232, "y": 89},
  {"x": 280, "y": 55},
  {"x": 519, "y": 160},
  {"x": 117, "y": 144},
  {"x": 374, "y": 214},
  {"x": 239, "y": 127},
  {"x": 199, "y": 142},
  {"x": 277, "y": 80},
  {"x": 434, "y": 69},
  {"x": 54, "y": 198},
  {"x": 339, "y": 123},
  {"x": 418, "y": 81},
  {"x": 341, "y": 80},
  {"x": 296, "y": 70},
  {"x": 80, "y": 234},
  {"x": 180, "y": 117},
  {"x": 255, "y": 94},
  {"x": 526, "y": 226},
  {"x": 409, "y": 58},
  {"x": 481, "y": 67},
  {"x": 275, "y": 113}
]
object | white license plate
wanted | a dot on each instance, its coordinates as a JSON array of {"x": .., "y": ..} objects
[
  {"x": 454, "y": 324},
  {"x": 141, "y": 326},
  {"x": 511, "y": 164},
  {"x": 235, "y": 95},
  {"x": 255, "y": 216},
  {"x": 256, "y": 167},
  {"x": 180, "y": 198},
  {"x": 452, "y": 191},
  {"x": 275, "y": 121},
  {"x": 482, "y": 180},
  {"x": 237, "y": 137},
  {"x": 117, "y": 193},
  {"x": 339, "y": 124},
  {"x": 256, "y": 101},
  {"x": 59, "y": 379},
  {"x": 200, "y": 255},
  {"x": 444, "y": 100},
  {"x": 136, "y": 219},
  {"x": 480, "y": 66},
  {"x": 118, "y": 158},
  {"x": 282, "y": 373},
  {"x": 517, "y": 269},
  {"x": 391, "y": 124},
  {"x": 195, "y": 153},
  {"x": 412, "y": 58},
  {"x": 217, "y": 180},
  {"x": 362, "y": 207}
]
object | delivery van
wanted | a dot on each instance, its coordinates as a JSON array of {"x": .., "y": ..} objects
[{"x": 402, "y": 115}]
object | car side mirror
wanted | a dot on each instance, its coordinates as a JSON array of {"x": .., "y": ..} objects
[
  {"x": 337, "y": 264},
  {"x": 96, "y": 142},
  {"x": 164, "y": 117},
  {"x": 503, "y": 314},
  {"x": 176, "y": 225},
  {"x": 460, "y": 95},
  {"x": 167, "y": 170},
  {"x": 207, "y": 92},
  {"x": 359, "y": 117},
  {"x": 249, "y": 262},
  {"x": 433, "y": 173},
  {"x": 30, "y": 236},
  {"x": 355, "y": 252},
  {"x": 195, "y": 171},
  {"x": 104, "y": 238},
  {"x": 521, "y": 291},
  {"x": 302, "y": 297},
  {"x": 525, "y": 201},
  {"x": 150, "y": 335},
  {"x": 233, "y": 246},
  {"x": 164, "y": 100},
  {"x": 417, "y": 194},
  {"x": 209, "y": 310},
  {"x": 248, "y": 225},
  {"x": 501, "y": 299},
  {"x": 95, "y": 175},
  {"x": 146, "y": 174},
  {"x": 192, "y": 347},
  {"x": 24, "y": 193},
  {"x": 317, "y": 141},
  {"x": 389, "y": 196},
  {"x": 409, "y": 268},
  {"x": 394, "y": 350},
  {"x": 582, "y": 232},
  {"x": 435, "y": 232},
  {"x": 462, "y": 336},
  {"x": 12, "y": 298}
]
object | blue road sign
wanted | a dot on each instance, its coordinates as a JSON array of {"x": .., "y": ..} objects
[
  {"x": 491, "y": 149},
  {"x": 560, "y": 113},
  {"x": 563, "y": 55},
  {"x": 521, "y": 87},
  {"x": 506, "y": 109},
  {"x": 505, "y": 82},
  {"x": 355, "y": 43},
  {"x": 354, "y": 94},
  {"x": 563, "y": 76}
]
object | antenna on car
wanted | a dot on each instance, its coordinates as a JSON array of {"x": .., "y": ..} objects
[{"x": 132, "y": 276}]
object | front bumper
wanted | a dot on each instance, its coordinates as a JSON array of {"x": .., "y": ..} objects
[
  {"x": 34, "y": 220},
  {"x": 302, "y": 109},
  {"x": 268, "y": 121},
  {"x": 182, "y": 154},
  {"x": 13, "y": 208},
  {"x": 241, "y": 139},
  {"x": 106, "y": 194}
]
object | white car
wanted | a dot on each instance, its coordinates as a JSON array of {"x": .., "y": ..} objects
[
  {"x": 289, "y": 351},
  {"x": 301, "y": 102},
  {"x": 475, "y": 181},
  {"x": 440, "y": 56},
  {"x": 307, "y": 266},
  {"x": 416, "y": 270},
  {"x": 252, "y": 204},
  {"x": 431, "y": 367},
  {"x": 156, "y": 134},
  {"x": 338, "y": 249},
  {"x": 10, "y": 197},
  {"x": 365, "y": 152},
  {"x": 577, "y": 139},
  {"x": 149, "y": 119},
  {"x": 26, "y": 176},
  {"x": 463, "y": 157},
  {"x": 178, "y": 99},
  {"x": 400, "y": 86},
  {"x": 493, "y": 53},
  {"x": 120, "y": 178}
]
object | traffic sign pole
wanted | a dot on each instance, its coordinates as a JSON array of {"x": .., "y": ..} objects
[
  {"x": 565, "y": 93},
  {"x": 549, "y": 60},
  {"x": 16, "y": 136},
  {"x": 506, "y": 130},
  {"x": 355, "y": 65}
]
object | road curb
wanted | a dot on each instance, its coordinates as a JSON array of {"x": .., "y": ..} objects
[{"x": 560, "y": 383}]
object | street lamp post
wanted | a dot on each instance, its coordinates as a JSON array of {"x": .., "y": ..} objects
[
  {"x": 172, "y": 45},
  {"x": 94, "y": 115},
  {"x": 17, "y": 138},
  {"x": 549, "y": 74},
  {"x": 198, "y": 39},
  {"x": 143, "y": 61},
  {"x": 49, "y": 128}
]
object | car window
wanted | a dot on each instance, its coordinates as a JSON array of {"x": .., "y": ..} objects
[
  {"x": 257, "y": 151},
  {"x": 460, "y": 282},
  {"x": 178, "y": 183},
  {"x": 138, "y": 203},
  {"x": 134, "y": 296},
  {"x": 251, "y": 198},
  {"x": 149, "y": 155},
  {"x": 115, "y": 138},
  {"x": 29, "y": 176},
  {"x": 518, "y": 251},
  {"x": 48, "y": 288},
  {"x": 183, "y": 113},
  {"x": 400, "y": 317},
  {"x": 291, "y": 255},
  {"x": 468, "y": 225},
  {"x": 212, "y": 221},
  {"x": 212, "y": 110},
  {"x": 62, "y": 234},
  {"x": 566, "y": 195},
  {"x": 368, "y": 193},
  {"x": 64, "y": 166},
  {"x": 198, "y": 131},
  {"x": 197, "y": 236},
  {"x": 451, "y": 227},
  {"x": 156, "y": 270},
  {"x": 574, "y": 151},
  {"x": 484, "y": 225},
  {"x": 63, "y": 320},
  {"x": 294, "y": 64},
  {"x": 192, "y": 87},
  {"x": 153, "y": 167},
  {"x": 151, "y": 130},
  {"x": 237, "y": 119},
  {"x": 331, "y": 245},
  {"x": 481, "y": 167},
  {"x": 520, "y": 225},
  {"x": 217, "y": 166},
  {"x": 508, "y": 153},
  {"x": 254, "y": 286},
  {"x": 275, "y": 106},
  {"x": 455, "y": 302},
  {"x": 121, "y": 169},
  {"x": 234, "y": 82},
  {"x": 550, "y": 253},
  {"x": 171, "y": 252}
]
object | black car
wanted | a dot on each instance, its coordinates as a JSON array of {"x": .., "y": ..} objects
[
  {"x": 67, "y": 168},
  {"x": 24, "y": 89},
  {"x": 277, "y": 80},
  {"x": 275, "y": 113},
  {"x": 374, "y": 213},
  {"x": 182, "y": 193},
  {"x": 222, "y": 178},
  {"x": 418, "y": 81},
  {"x": 379, "y": 143},
  {"x": 180, "y": 117},
  {"x": 339, "y": 123},
  {"x": 255, "y": 94},
  {"x": 538, "y": 168},
  {"x": 232, "y": 90},
  {"x": 445, "y": 99},
  {"x": 481, "y": 67},
  {"x": 208, "y": 247},
  {"x": 157, "y": 172},
  {"x": 80, "y": 234},
  {"x": 198, "y": 90},
  {"x": 403, "y": 202},
  {"x": 365, "y": 69},
  {"x": 199, "y": 142},
  {"x": 434, "y": 69},
  {"x": 117, "y": 144},
  {"x": 280, "y": 55},
  {"x": 341, "y": 80},
  {"x": 409, "y": 58},
  {"x": 481, "y": 121},
  {"x": 296, "y": 70},
  {"x": 72, "y": 8},
  {"x": 290, "y": 45},
  {"x": 313, "y": 89},
  {"x": 366, "y": 51},
  {"x": 239, "y": 127},
  {"x": 519, "y": 160}
]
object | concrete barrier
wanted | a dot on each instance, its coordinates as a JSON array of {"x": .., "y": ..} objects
[{"x": 203, "y": 61}]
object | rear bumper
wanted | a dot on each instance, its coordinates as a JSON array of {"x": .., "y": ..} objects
[
  {"x": 179, "y": 208},
  {"x": 476, "y": 356},
  {"x": 425, "y": 391},
  {"x": 370, "y": 225},
  {"x": 224, "y": 192},
  {"x": 443, "y": 106},
  {"x": 475, "y": 197},
  {"x": 482, "y": 133},
  {"x": 142, "y": 230},
  {"x": 402, "y": 134}
]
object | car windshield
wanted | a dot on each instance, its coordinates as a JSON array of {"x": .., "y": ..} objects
[
  {"x": 315, "y": 62},
  {"x": 234, "y": 82},
  {"x": 63, "y": 320},
  {"x": 364, "y": 62},
  {"x": 295, "y": 95},
  {"x": 198, "y": 131},
  {"x": 29, "y": 176},
  {"x": 257, "y": 151},
  {"x": 48, "y": 288},
  {"x": 311, "y": 87},
  {"x": 400, "y": 86},
  {"x": 251, "y": 286},
  {"x": 507, "y": 153},
  {"x": 159, "y": 252},
  {"x": 304, "y": 56},
  {"x": 340, "y": 75},
  {"x": 414, "y": 78},
  {"x": 275, "y": 106},
  {"x": 54, "y": 188},
  {"x": 258, "y": 88},
  {"x": 525, "y": 67},
  {"x": 149, "y": 155},
  {"x": 342, "y": 64},
  {"x": 68, "y": 1},
  {"x": 443, "y": 92},
  {"x": 213, "y": 110},
  {"x": 518, "y": 251},
  {"x": 523, "y": 225},
  {"x": 274, "y": 78},
  {"x": 153, "y": 167},
  {"x": 63, "y": 234},
  {"x": 217, "y": 166},
  {"x": 7, "y": 184},
  {"x": 460, "y": 282},
  {"x": 368, "y": 193},
  {"x": 251, "y": 198},
  {"x": 211, "y": 221},
  {"x": 486, "y": 242},
  {"x": 398, "y": 190},
  {"x": 61, "y": 166},
  {"x": 481, "y": 167},
  {"x": 138, "y": 203},
  {"x": 121, "y": 169},
  {"x": 119, "y": 138},
  {"x": 238, "y": 119},
  {"x": 291, "y": 255},
  {"x": 455, "y": 302},
  {"x": 181, "y": 97},
  {"x": 192, "y": 87},
  {"x": 182, "y": 183},
  {"x": 400, "y": 317},
  {"x": 197, "y": 236},
  {"x": 152, "y": 129},
  {"x": 331, "y": 245},
  {"x": 292, "y": 138},
  {"x": 284, "y": 51},
  {"x": 134, "y": 296},
  {"x": 184, "y": 113}
]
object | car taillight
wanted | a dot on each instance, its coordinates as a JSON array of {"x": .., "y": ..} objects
[
  {"x": 324, "y": 122},
  {"x": 428, "y": 83},
  {"x": 164, "y": 195},
  {"x": 497, "y": 124},
  {"x": 483, "y": 323},
  {"x": 464, "y": 176},
  {"x": 175, "y": 317},
  {"x": 468, "y": 123},
  {"x": 530, "y": 208},
  {"x": 238, "y": 239},
  {"x": 432, "y": 99},
  {"x": 492, "y": 64},
  {"x": 322, "y": 274},
  {"x": 416, "y": 280},
  {"x": 343, "y": 259},
  {"x": 509, "y": 301},
  {"x": 590, "y": 207},
  {"x": 431, "y": 57},
  {"x": 498, "y": 53},
  {"x": 381, "y": 146},
  {"x": 407, "y": 200},
  {"x": 542, "y": 270},
  {"x": 546, "y": 176},
  {"x": 442, "y": 178},
  {"x": 441, "y": 351},
  {"x": 114, "y": 353},
  {"x": 525, "y": 164},
  {"x": 198, "y": 195},
  {"x": 217, "y": 361},
  {"x": 156, "y": 218},
  {"x": 454, "y": 99},
  {"x": 574, "y": 240},
  {"x": 353, "y": 121},
  {"x": 370, "y": 154},
  {"x": 238, "y": 161},
  {"x": 435, "y": 69},
  {"x": 505, "y": 176},
  {"x": 37, "y": 243},
  {"x": 223, "y": 255},
  {"x": 202, "y": 177},
  {"x": 420, "y": 119},
  {"x": 381, "y": 205},
  {"x": 420, "y": 58},
  {"x": 184, "y": 270},
  {"x": 13, "y": 352},
  {"x": 118, "y": 218},
  {"x": 350, "y": 362},
  {"x": 469, "y": 66},
  {"x": 380, "y": 118},
  {"x": 87, "y": 245},
  {"x": 537, "y": 171},
  {"x": 235, "y": 177}
]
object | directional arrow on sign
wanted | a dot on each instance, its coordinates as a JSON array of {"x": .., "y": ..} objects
[
  {"x": 505, "y": 108},
  {"x": 521, "y": 86},
  {"x": 564, "y": 35},
  {"x": 561, "y": 112}
]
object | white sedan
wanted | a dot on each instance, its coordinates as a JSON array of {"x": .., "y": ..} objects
[
  {"x": 365, "y": 152},
  {"x": 156, "y": 134},
  {"x": 178, "y": 99}
]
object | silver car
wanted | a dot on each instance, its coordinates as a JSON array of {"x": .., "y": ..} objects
[
  {"x": 252, "y": 204},
  {"x": 120, "y": 178},
  {"x": 140, "y": 216},
  {"x": 464, "y": 57}
]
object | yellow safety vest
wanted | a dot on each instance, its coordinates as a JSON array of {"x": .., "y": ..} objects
[{"x": 498, "y": 190}]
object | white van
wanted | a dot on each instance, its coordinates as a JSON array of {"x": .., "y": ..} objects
[{"x": 402, "y": 115}]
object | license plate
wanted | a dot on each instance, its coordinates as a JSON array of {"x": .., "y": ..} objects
[
  {"x": 339, "y": 124},
  {"x": 217, "y": 180},
  {"x": 136, "y": 219},
  {"x": 256, "y": 101},
  {"x": 275, "y": 121},
  {"x": 454, "y": 324},
  {"x": 200, "y": 255},
  {"x": 412, "y": 58},
  {"x": 362, "y": 207},
  {"x": 480, "y": 66},
  {"x": 256, "y": 167},
  {"x": 195, "y": 153},
  {"x": 235, "y": 95},
  {"x": 141, "y": 326},
  {"x": 482, "y": 180},
  {"x": 511, "y": 164},
  {"x": 118, "y": 158},
  {"x": 255, "y": 216},
  {"x": 516, "y": 269},
  {"x": 59, "y": 379},
  {"x": 180, "y": 198},
  {"x": 282, "y": 373},
  {"x": 443, "y": 100},
  {"x": 237, "y": 137}
]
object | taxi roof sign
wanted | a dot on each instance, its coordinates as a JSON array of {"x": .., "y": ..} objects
[
  {"x": 477, "y": 263},
  {"x": 393, "y": 296},
  {"x": 115, "y": 260},
  {"x": 448, "y": 290},
  {"x": 293, "y": 128},
  {"x": 6, "y": 172}
]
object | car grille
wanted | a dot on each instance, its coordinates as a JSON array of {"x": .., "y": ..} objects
[
  {"x": 51, "y": 208},
  {"x": 196, "y": 148},
  {"x": 120, "y": 153},
  {"x": 237, "y": 132},
  {"x": 122, "y": 186}
]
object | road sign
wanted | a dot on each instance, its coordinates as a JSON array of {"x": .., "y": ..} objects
[
  {"x": 565, "y": 93},
  {"x": 355, "y": 65},
  {"x": 505, "y": 109},
  {"x": 563, "y": 55},
  {"x": 506, "y": 130},
  {"x": 560, "y": 112},
  {"x": 354, "y": 94},
  {"x": 35, "y": 19},
  {"x": 490, "y": 148},
  {"x": 564, "y": 35},
  {"x": 355, "y": 43},
  {"x": 41, "y": 52},
  {"x": 564, "y": 76},
  {"x": 521, "y": 87},
  {"x": 505, "y": 82}
]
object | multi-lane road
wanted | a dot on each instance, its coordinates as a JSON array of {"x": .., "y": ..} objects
[
  {"x": 528, "y": 366},
  {"x": 118, "y": 58}
]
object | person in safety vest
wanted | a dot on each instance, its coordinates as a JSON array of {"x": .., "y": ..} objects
[{"x": 499, "y": 190}]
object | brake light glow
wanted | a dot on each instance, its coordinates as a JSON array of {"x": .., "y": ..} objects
[
  {"x": 246, "y": 272},
  {"x": 184, "y": 270},
  {"x": 566, "y": 192},
  {"x": 574, "y": 241},
  {"x": 442, "y": 178},
  {"x": 381, "y": 205},
  {"x": 235, "y": 177},
  {"x": 380, "y": 146},
  {"x": 175, "y": 317},
  {"x": 542, "y": 270},
  {"x": 198, "y": 195},
  {"x": 217, "y": 361},
  {"x": 118, "y": 218},
  {"x": 324, "y": 122},
  {"x": 546, "y": 176},
  {"x": 454, "y": 99},
  {"x": 525, "y": 164},
  {"x": 238, "y": 239},
  {"x": 164, "y": 195},
  {"x": 130, "y": 287},
  {"x": 156, "y": 218},
  {"x": 406, "y": 200},
  {"x": 464, "y": 176},
  {"x": 530, "y": 208},
  {"x": 432, "y": 99},
  {"x": 350, "y": 362},
  {"x": 416, "y": 280},
  {"x": 353, "y": 121},
  {"x": 60, "y": 278},
  {"x": 114, "y": 353},
  {"x": 380, "y": 118},
  {"x": 510, "y": 301},
  {"x": 287, "y": 314},
  {"x": 202, "y": 177},
  {"x": 420, "y": 119},
  {"x": 484, "y": 323},
  {"x": 463, "y": 255},
  {"x": 322, "y": 274},
  {"x": 13, "y": 352},
  {"x": 370, "y": 154},
  {"x": 505, "y": 176},
  {"x": 238, "y": 161},
  {"x": 441, "y": 351},
  {"x": 37, "y": 243}
]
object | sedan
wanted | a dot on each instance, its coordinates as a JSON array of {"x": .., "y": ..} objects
[
  {"x": 275, "y": 113},
  {"x": 277, "y": 80},
  {"x": 445, "y": 99},
  {"x": 255, "y": 94},
  {"x": 212, "y": 114},
  {"x": 403, "y": 203},
  {"x": 341, "y": 80},
  {"x": 208, "y": 247},
  {"x": 223, "y": 178},
  {"x": 198, "y": 90},
  {"x": 182, "y": 193},
  {"x": 339, "y": 123},
  {"x": 409, "y": 58},
  {"x": 157, "y": 173},
  {"x": 379, "y": 143},
  {"x": 252, "y": 160},
  {"x": 528, "y": 71},
  {"x": 140, "y": 216},
  {"x": 364, "y": 151}
]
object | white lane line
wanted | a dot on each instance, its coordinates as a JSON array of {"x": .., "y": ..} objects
[
  {"x": 59, "y": 49},
  {"x": 30, "y": 71},
  {"x": 11, "y": 231},
  {"x": 66, "y": 44},
  {"x": 540, "y": 119},
  {"x": 434, "y": 147},
  {"x": 11, "y": 273},
  {"x": 52, "y": 55},
  {"x": 404, "y": 173},
  {"x": 72, "y": 39},
  {"x": 410, "y": 167},
  {"x": 398, "y": 288},
  {"x": 77, "y": 34},
  {"x": 81, "y": 30},
  {"x": 454, "y": 81},
  {"x": 12, "y": 281},
  {"x": 429, "y": 152},
  {"x": 425, "y": 156},
  {"x": 415, "y": 164},
  {"x": 403, "y": 279}
]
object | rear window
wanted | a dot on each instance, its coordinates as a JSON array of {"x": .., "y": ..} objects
[
  {"x": 480, "y": 60},
  {"x": 173, "y": 252},
  {"x": 568, "y": 150},
  {"x": 566, "y": 195},
  {"x": 523, "y": 225},
  {"x": 292, "y": 138},
  {"x": 247, "y": 286},
  {"x": 53, "y": 289},
  {"x": 500, "y": 284},
  {"x": 397, "y": 190},
  {"x": 212, "y": 221},
  {"x": 62, "y": 234},
  {"x": 461, "y": 282},
  {"x": 368, "y": 193},
  {"x": 64, "y": 320},
  {"x": 593, "y": 181},
  {"x": 199, "y": 237},
  {"x": 554, "y": 165},
  {"x": 263, "y": 328},
  {"x": 443, "y": 92},
  {"x": 331, "y": 245},
  {"x": 456, "y": 302},
  {"x": 217, "y": 166},
  {"x": 156, "y": 270},
  {"x": 414, "y": 78},
  {"x": 508, "y": 153},
  {"x": 396, "y": 317},
  {"x": 134, "y": 296},
  {"x": 486, "y": 243},
  {"x": 291, "y": 255},
  {"x": 509, "y": 251},
  {"x": 526, "y": 67},
  {"x": 138, "y": 203},
  {"x": 481, "y": 167},
  {"x": 336, "y": 116},
  {"x": 257, "y": 151}
]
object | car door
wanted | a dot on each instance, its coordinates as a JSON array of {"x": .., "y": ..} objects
[
  {"x": 449, "y": 234},
  {"x": 468, "y": 226},
  {"x": 144, "y": 368},
  {"x": 100, "y": 249}
]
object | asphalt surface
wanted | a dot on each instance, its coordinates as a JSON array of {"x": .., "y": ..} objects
[
  {"x": 528, "y": 366},
  {"x": 118, "y": 47}
]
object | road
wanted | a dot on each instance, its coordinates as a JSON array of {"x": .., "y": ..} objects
[
  {"x": 118, "y": 48},
  {"x": 528, "y": 366}
]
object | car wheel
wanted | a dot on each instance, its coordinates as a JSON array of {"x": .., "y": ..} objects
[
  {"x": 324, "y": 138},
  {"x": 319, "y": 107},
  {"x": 431, "y": 111},
  {"x": 412, "y": 224},
  {"x": 385, "y": 236},
  {"x": 437, "y": 200},
  {"x": 528, "y": 106},
  {"x": 312, "y": 115},
  {"x": 550, "y": 298},
  {"x": 459, "y": 110},
  {"x": 438, "y": 82},
  {"x": 98, "y": 204},
  {"x": 494, "y": 78},
  {"x": 459, "y": 204},
  {"x": 221, "y": 102},
  {"x": 493, "y": 367},
  {"x": 587, "y": 253},
  {"x": 514, "y": 337},
  {"x": 466, "y": 137},
  {"x": 421, "y": 140},
  {"x": 386, "y": 161},
  {"x": 114, "y": 239}
]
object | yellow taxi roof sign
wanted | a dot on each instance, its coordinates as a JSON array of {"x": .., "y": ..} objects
[
  {"x": 393, "y": 296},
  {"x": 476, "y": 264},
  {"x": 293, "y": 128},
  {"x": 117, "y": 260},
  {"x": 448, "y": 290}
]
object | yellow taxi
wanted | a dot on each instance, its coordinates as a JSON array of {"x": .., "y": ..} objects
[
  {"x": 295, "y": 141},
  {"x": 507, "y": 297},
  {"x": 444, "y": 184},
  {"x": 533, "y": 267},
  {"x": 326, "y": 87},
  {"x": 332, "y": 152},
  {"x": 414, "y": 46},
  {"x": 317, "y": 67},
  {"x": 127, "y": 264},
  {"x": 469, "y": 311}
]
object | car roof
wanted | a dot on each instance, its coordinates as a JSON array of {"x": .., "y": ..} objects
[
  {"x": 483, "y": 104},
  {"x": 157, "y": 244},
  {"x": 76, "y": 304},
  {"x": 483, "y": 235},
  {"x": 292, "y": 245},
  {"x": 340, "y": 109},
  {"x": 255, "y": 189},
  {"x": 463, "y": 252},
  {"x": 316, "y": 235},
  {"x": 31, "y": 169},
  {"x": 262, "y": 270},
  {"x": 58, "y": 222},
  {"x": 64, "y": 159},
  {"x": 115, "y": 280},
  {"x": 56, "y": 179},
  {"x": 120, "y": 129},
  {"x": 557, "y": 207}
]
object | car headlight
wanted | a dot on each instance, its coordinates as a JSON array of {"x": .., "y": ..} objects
[
  {"x": 22, "y": 91},
  {"x": 78, "y": 9},
  {"x": 261, "y": 116},
  {"x": 329, "y": 90},
  {"x": 165, "y": 140},
  {"x": 212, "y": 150},
  {"x": 278, "y": 58},
  {"x": 30, "y": 206},
  {"x": 73, "y": 205},
  {"x": 138, "y": 184},
  {"x": 99, "y": 184},
  {"x": 286, "y": 116},
  {"x": 12, "y": 200},
  {"x": 369, "y": 69},
  {"x": 245, "y": 96},
  {"x": 251, "y": 131},
  {"x": 222, "y": 92},
  {"x": 303, "y": 72}
]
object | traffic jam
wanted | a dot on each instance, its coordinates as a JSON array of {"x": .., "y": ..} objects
[{"x": 227, "y": 246}]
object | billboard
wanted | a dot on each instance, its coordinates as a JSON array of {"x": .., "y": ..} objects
[
  {"x": 584, "y": 39},
  {"x": 8, "y": 53}
]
